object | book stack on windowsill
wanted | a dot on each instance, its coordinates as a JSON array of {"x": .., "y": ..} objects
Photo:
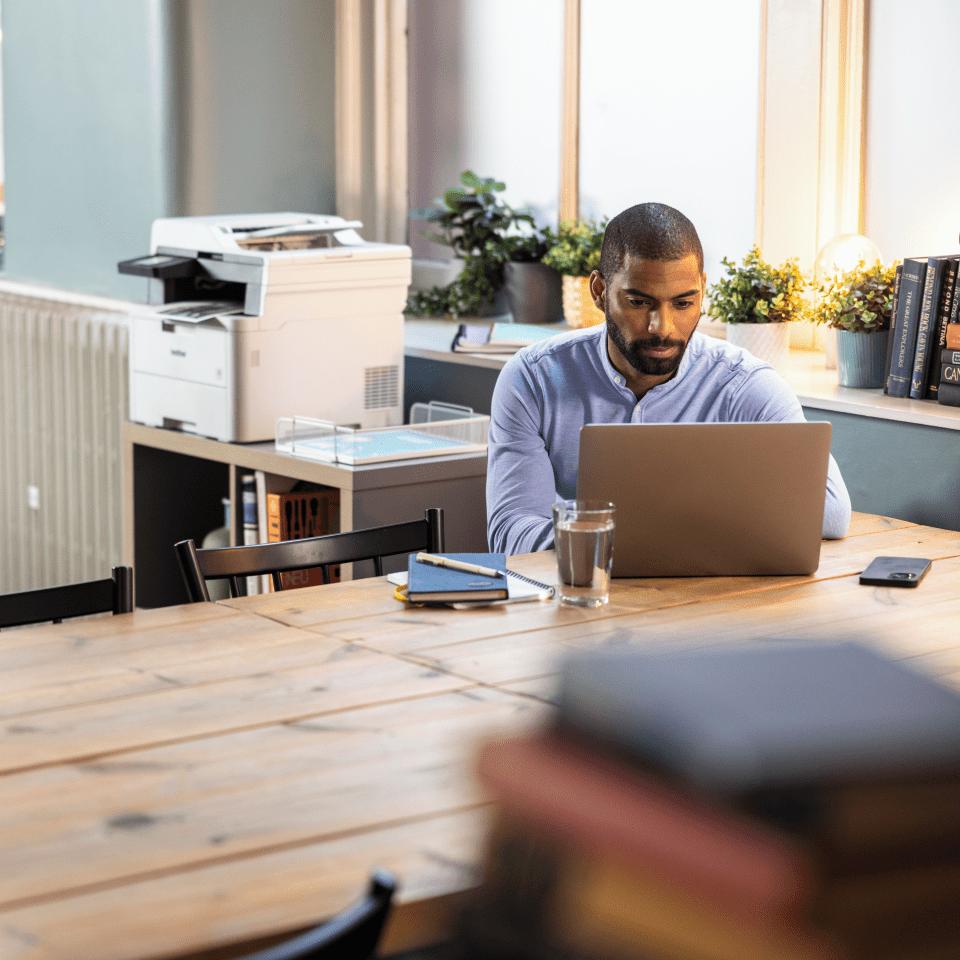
[
  {"x": 925, "y": 332},
  {"x": 774, "y": 803}
]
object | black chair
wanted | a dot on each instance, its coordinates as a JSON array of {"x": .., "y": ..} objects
[
  {"x": 233, "y": 563},
  {"x": 350, "y": 935},
  {"x": 113, "y": 594}
]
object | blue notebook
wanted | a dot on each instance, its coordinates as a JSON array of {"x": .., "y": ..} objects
[{"x": 429, "y": 584}]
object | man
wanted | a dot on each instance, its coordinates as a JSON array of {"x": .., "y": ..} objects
[{"x": 647, "y": 365}]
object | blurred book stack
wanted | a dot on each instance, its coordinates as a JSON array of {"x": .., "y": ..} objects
[{"x": 766, "y": 803}]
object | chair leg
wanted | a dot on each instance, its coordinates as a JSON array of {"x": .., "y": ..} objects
[
  {"x": 122, "y": 589},
  {"x": 434, "y": 518}
]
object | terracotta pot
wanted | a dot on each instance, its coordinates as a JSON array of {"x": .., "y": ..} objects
[
  {"x": 766, "y": 341},
  {"x": 579, "y": 310}
]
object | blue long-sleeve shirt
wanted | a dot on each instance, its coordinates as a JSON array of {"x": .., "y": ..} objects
[{"x": 547, "y": 392}]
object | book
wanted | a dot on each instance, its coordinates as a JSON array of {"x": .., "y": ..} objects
[
  {"x": 599, "y": 905},
  {"x": 251, "y": 529},
  {"x": 552, "y": 786},
  {"x": 519, "y": 589},
  {"x": 866, "y": 826},
  {"x": 427, "y": 583},
  {"x": 764, "y": 716},
  {"x": 939, "y": 336},
  {"x": 905, "y": 333},
  {"x": 953, "y": 336},
  {"x": 500, "y": 337},
  {"x": 302, "y": 513},
  {"x": 949, "y": 394},
  {"x": 949, "y": 356},
  {"x": 926, "y": 324},
  {"x": 898, "y": 274},
  {"x": 950, "y": 372},
  {"x": 671, "y": 868}
]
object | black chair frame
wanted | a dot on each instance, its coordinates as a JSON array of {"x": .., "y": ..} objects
[
  {"x": 352, "y": 934},
  {"x": 55, "y": 604},
  {"x": 235, "y": 563}
]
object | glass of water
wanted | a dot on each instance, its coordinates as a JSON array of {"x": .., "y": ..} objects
[{"x": 583, "y": 531}]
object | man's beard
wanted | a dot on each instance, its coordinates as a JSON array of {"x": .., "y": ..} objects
[{"x": 633, "y": 351}]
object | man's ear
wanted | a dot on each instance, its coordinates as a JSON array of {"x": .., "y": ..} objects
[{"x": 598, "y": 289}]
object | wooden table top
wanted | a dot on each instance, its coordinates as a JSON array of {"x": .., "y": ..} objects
[{"x": 193, "y": 779}]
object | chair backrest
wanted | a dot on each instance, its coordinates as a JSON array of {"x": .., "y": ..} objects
[
  {"x": 113, "y": 594},
  {"x": 350, "y": 935},
  {"x": 235, "y": 563}
]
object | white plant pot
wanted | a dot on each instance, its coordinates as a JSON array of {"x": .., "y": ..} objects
[{"x": 766, "y": 341}]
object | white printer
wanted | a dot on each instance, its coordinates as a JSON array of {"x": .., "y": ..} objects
[{"x": 265, "y": 316}]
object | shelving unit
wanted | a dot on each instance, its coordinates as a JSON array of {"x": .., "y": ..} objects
[{"x": 173, "y": 484}]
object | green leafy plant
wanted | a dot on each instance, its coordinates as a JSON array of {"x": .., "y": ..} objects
[
  {"x": 576, "y": 247},
  {"x": 757, "y": 292},
  {"x": 471, "y": 216},
  {"x": 528, "y": 247},
  {"x": 859, "y": 299},
  {"x": 486, "y": 233},
  {"x": 474, "y": 288}
]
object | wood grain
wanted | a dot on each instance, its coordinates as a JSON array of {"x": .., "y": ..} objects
[
  {"x": 247, "y": 897},
  {"x": 333, "y": 677},
  {"x": 54, "y": 674},
  {"x": 176, "y": 807},
  {"x": 192, "y": 780}
]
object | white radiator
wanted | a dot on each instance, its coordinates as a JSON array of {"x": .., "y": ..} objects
[{"x": 63, "y": 396}]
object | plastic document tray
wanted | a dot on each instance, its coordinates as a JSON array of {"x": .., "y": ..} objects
[{"x": 434, "y": 430}]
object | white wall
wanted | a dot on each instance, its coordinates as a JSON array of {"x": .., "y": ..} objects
[
  {"x": 669, "y": 97},
  {"x": 485, "y": 95},
  {"x": 668, "y": 113},
  {"x": 913, "y": 133}
]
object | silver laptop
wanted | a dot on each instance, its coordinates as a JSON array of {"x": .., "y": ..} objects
[{"x": 710, "y": 499}]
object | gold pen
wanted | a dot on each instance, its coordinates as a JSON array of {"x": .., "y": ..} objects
[{"x": 436, "y": 561}]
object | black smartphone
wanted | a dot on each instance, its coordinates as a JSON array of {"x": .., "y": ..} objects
[{"x": 895, "y": 571}]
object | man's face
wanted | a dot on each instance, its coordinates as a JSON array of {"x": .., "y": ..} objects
[{"x": 652, "y": 308}]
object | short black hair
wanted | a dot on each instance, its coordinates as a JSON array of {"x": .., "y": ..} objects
[{"x": 650, "y": 231}]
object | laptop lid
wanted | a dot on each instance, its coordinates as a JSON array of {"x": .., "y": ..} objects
[{"x": 710, "y": 499}]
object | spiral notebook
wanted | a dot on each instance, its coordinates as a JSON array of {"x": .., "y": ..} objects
[{"x": 519, "y": 589}]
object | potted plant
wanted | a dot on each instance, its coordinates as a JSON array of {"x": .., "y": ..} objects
[
  {"x": 474, "y": 222},
  {"x": 576, "y": 254},
  {"x": 857, "y": 303},
  {"x": 533, "y": 289},
  {"x": 758, "y": 300}
]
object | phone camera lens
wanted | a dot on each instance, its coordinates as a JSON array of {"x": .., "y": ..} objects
[{"x": 900, "y": 575}]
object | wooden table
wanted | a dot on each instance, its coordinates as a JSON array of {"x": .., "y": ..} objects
[{"x": 192, "y": 780}]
